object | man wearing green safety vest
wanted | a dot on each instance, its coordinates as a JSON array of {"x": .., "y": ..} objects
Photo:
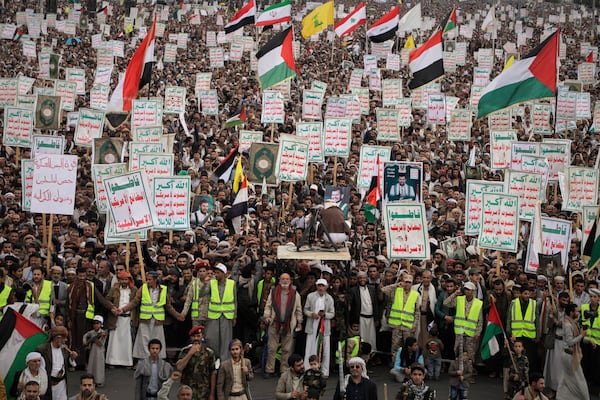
[
  {"x": 263, "y": 288},
  {"x": 402, "y": 310},
  {"x": 222, "y": 312},
  {"x": 40, "y": 293},
  {"x": 194, "y": 302},
  {"x": 154, "y": 304},
  {"x": 591, "y": 348},
  {"x": 468, "y": 320},
  {"x": 4, "y": 293},
  {"x": 523, "y": 323}
]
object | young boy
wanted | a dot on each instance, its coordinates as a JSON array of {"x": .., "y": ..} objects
[
  {"x": 434, "y": 347},
  {"x": 459, "y": 378},
  {"x": 405, "y": 357},
  {"x": 94, "y": 340},
  {"x": 313, "y": 378},
  {"x": 518, "y": 378}
]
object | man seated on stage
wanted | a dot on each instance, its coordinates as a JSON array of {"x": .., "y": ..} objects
[{"x": 332, "y": 218}]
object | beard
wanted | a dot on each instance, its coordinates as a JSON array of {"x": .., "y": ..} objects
[{"x": 285, "y": 286}]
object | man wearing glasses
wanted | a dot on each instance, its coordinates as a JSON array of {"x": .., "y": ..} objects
[{"x": 356, "y": 385}]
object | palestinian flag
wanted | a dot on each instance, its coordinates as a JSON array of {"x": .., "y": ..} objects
[
  {"x": 223, "y": 171},
  {"x": 18, "y": 337},
  {"x": 427, "y": 62},
  {"x": 385, "y": 28},
  {"x": 374, "y": 195},
  {"x": 245, "y": 16},
  {"x": 533, "y": 77},
  {"x": 449, "y": 22},
  {"x": 18, "y": 34},
  {"x": 489, "y": 344},
  {"x": 352, "y": 21},
  {"x": 238, "y": 119},
  {"x": 591, "y": 247},
  {"x": 275, "y": 14},
  {"x": 178, "y": 10},
  {"x": 238, "y": 208},
  {"x": 276, "y": 60}
]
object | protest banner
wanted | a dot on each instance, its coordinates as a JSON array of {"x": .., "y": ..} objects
[
  {"x": 147, "y": 134},
  {"x": 54, "y": 180},
  {"x": 77, "y": 75},
  {"x": 392, "y": 62},
  {"x": 246, "y": 138},
  {"x": 368, "y": 163},
  {"x": 108, "y": 150},
  {"x": 353, "y": 107},
  {"x": 236, "y": 51},
  {"x": 18, "y": 127},
  {"x": 558, "y": 154},
  {"x": 9, "y": 89},
  {"x": 312, "y": 102},
  {"x": 136, "y": 148},
  {"x": 337, "y": 132},
  {"x": 155, "y": 164},
  {"x": 500, "y": 120},
  {"x": 581, "y": 188},
  {"x": 586, "y": 73},
  {"x": 566, "y": 105},
  {"x": 129, "y": 203},
  {"x": 528, "y": 187},
  {"x": 356, "y": 77},
  {"x": 263, "y": 157},
  {"x": 25, "y": 84},
  {"x": 216, "y": 57},
  {"x": 588, "y": 218},
  {"x": 474, "y": 203},
  {"x": 47, "y": 144},
  {"x": 67, "y": 92},
  {"x": 26, "y": 183},
  {"x": 555, "y": 238},
  {"x": 402, "y": 181},
  {"x": 406, "y": 231},
  {"x": 99, "y": 172},
  {"x": 499, "y": 229},
  {"x": 336, "y": 107},
  {"x": 538, "y": 165},
  {"x": 170, "y": 55},
  {"x": 202, "y": 81},
  {"x": 146, "y": 113},
  {"x": 99, "y": 97},
  {"x": 319, "y": 86},
  {"x": 174, "y": 100},
  {"x": 519, "y": 149},
  {"x": 312, "y": 131},
  {"x": 404, "y": 112},
  {"x": 363, "y": 96},
  {"x": 500, "y": 148},
  {"x": 459, "y": 126},
  {"x": 89, "y": 126},
  {"x": 172, "y": 201},
  {"x": 47, "y": 112},
  {"x": 540, "y": 118},
  {"x": 583, "y": 106},
  {"x": 272, "y": 108},
  {"x": 292, "y": 158},
  {"x": 391, "y": 91},
  {"x": 209, "y": 102},
  {"x": 387, "y": 124}
]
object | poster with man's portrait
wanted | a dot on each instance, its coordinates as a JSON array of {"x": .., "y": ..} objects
[
  {"x": 339, "y": 195},
  {"x": 402, "y": 181},
  {"x": 455, "y": 248},
  {"x": 550, "y": 265},
  {"x": 203, "y": 210}
]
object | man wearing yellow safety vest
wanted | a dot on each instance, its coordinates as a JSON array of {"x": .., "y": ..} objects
[
  {"x": 194, "y": 302},
  {"x": 40, "y": 292},
  {"x": 222, "y": 312},
  {"x": 154, "y": 304},
  {"x": 4, "y": 293},
  {"x": 402, "y": 310},
  {"x": 591, "y": 348},
  {"x": 468, "y": 320},
  {"x": 523, "y": 323}
]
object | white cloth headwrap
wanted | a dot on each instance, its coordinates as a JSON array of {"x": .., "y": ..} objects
[{"x": 363, "y": 366}]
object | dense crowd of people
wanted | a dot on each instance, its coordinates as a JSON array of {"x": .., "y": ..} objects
[{"x": 207, "y": 308}]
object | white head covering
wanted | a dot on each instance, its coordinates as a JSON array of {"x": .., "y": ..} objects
[
  {"x": 34, "y": 355},
  {"x": 363, "y": 366}
]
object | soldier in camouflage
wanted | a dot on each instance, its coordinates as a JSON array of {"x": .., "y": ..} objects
[{"x": 197, "y": 365}]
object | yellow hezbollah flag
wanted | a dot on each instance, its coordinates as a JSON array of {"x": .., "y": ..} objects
[
  {"x": 509, "y": 62},
  {"x": 410, "y": 42},
  {"x": 319, "y": 19},
  {"x": 239, "y": 175}
]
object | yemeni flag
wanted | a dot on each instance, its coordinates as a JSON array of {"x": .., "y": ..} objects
[
  {"x": 276, "y": 59},
  {"x": 238, "y": 119},
  {"x": 489, "y": 344},
  {"x": 245, "y": 16},
  {"x": 427, "y": 62},
  {"x": 18, "y": 337},
  {"x": 533, "y": 77},
  {"x": 137, "y": 75},
  {"x": 103, "y": 10},
  {"x": 238, "y": 208},
  {"x": 374, "y": 195},
  {"x": 449, "y": 22},
  {"x": 386, "y": 27},
  {"x": 223, "y": 171},
  {"x": 352, "y": 21},
  {"x": 275, "y": 14}
]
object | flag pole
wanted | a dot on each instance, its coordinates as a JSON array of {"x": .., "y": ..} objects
[{"x": 332, "y": 44}]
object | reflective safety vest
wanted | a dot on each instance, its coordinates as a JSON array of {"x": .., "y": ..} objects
[
  {"x": 523, "y": 326},
  {"x": 44, "y": 298},
  {"x": 195, "y": 299},
  {"x": 403, "y": 314},
  {"x": 224, "y": 306},
  {"x": 466, "y": 324},
  {"x": 355, "y": 340},
  {"x": 259, "y": 288},
  {"x": 149, "y": 310},
  {"x": 4, "y": 298},
  {"x": 593, "y": 332}
]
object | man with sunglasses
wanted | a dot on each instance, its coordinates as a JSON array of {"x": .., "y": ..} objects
[{"x": 356, "y": 385}]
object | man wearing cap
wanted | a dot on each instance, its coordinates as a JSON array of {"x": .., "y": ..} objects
[
  {"x": 120, "y": 345},
  {"x": 35, "y": 371},
  {"x": 234, "y": 374},
  {"x": 56, "y": 356},
  {"x": 197, "y": 365},
  {"x": 222, "y": 311},
  {"x": 591, "y": 349},
  {"x": 523, "y": 323},
  {"x": 94, "y": 341},
  {"x": 468, "y": 321},
  {"x": 363, "y": 309},
  {"x": 402, "y": 310},
  {"x": 283, "y": 315},
  {"x": 154, "y": 304},
  {"x": 319, "y": 311}
]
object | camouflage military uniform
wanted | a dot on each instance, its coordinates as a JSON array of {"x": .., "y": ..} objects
[
  {"x": 198, "y": 371},
  {"x": 522, "y": 370}
]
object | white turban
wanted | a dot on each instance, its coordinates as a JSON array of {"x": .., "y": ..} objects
[
  {"x": 363, "y": 366},
  {"x": 34, "y": 355}
]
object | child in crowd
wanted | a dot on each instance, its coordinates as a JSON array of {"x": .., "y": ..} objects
[
  {"x": 94, "y": 341},
  {"x": 405, "y": 357},
  {"x": 434, "y": 347},
  {"x": 518, "y": 377},
  {"x": 459, "y": 377},
  {"x": 313, "y": 378}
]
